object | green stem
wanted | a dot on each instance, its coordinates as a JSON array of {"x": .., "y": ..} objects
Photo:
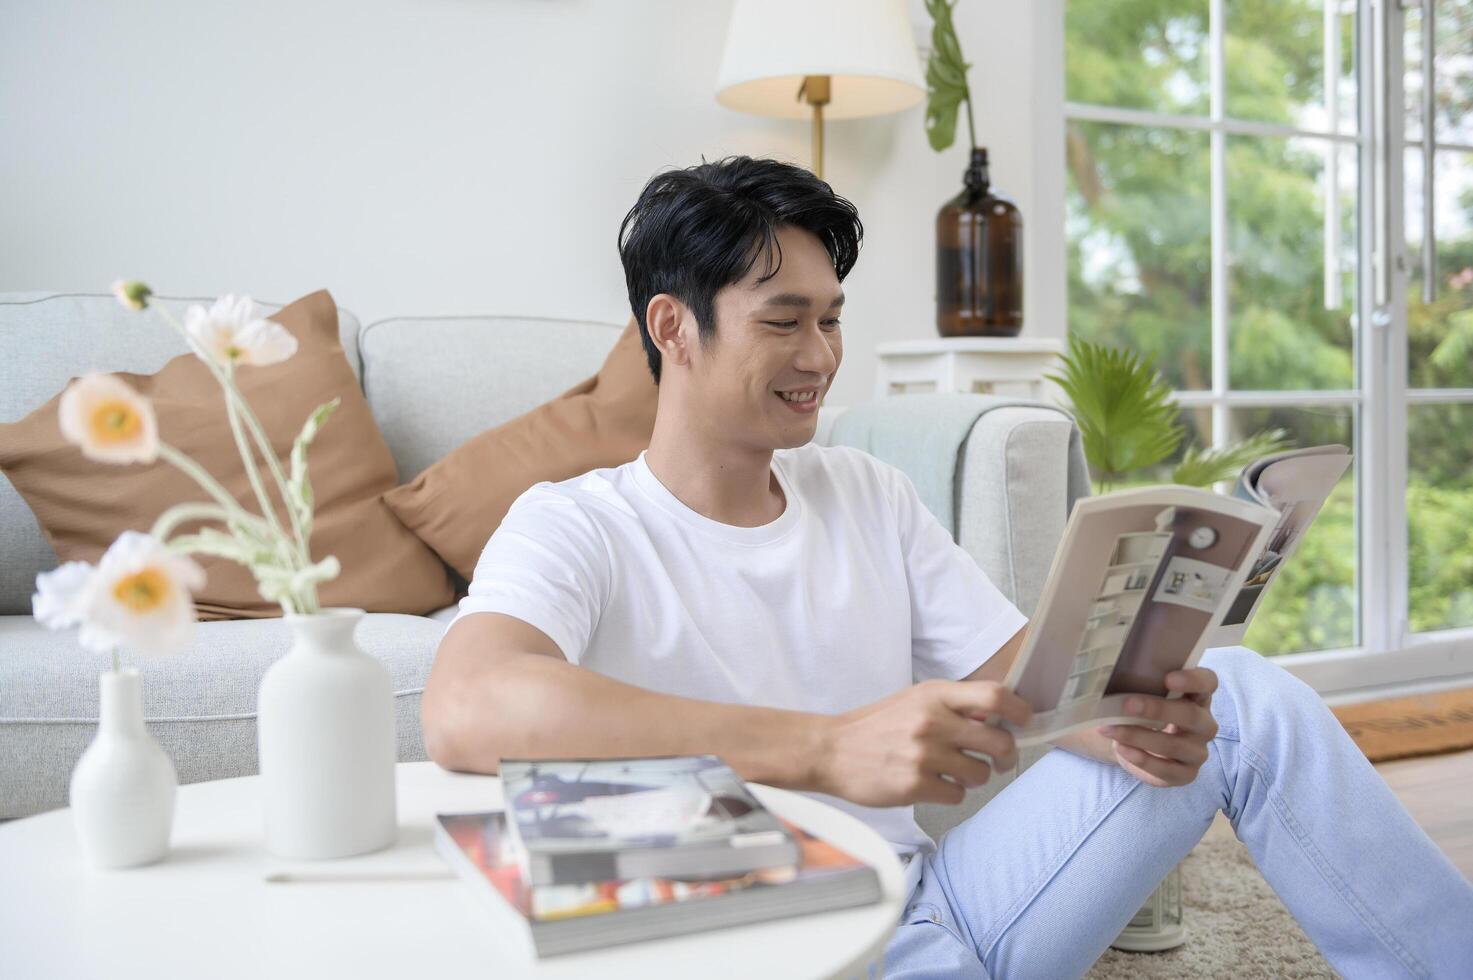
[
  {"x": 236, "y": 399},
  {"x": 201, "y": 476},
  {"x": 971, "y": 129},
  {"x": 170, "y": 519},
  {"x": 248, "y": 458},
  {"x": 117, "y": 668}
]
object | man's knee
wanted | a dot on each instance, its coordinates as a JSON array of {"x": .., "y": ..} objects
[{"x": 1251, "y": 680}]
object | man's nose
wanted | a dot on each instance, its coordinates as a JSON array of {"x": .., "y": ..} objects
[{"x": 816, "y": 356}]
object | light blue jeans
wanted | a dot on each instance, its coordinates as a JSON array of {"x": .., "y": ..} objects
[{"x": 1041, "y": 879}]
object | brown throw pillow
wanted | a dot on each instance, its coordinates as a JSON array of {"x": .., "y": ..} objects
[
  {"x": 83, "y": 505},
  {"x": 605, "y": 421}
]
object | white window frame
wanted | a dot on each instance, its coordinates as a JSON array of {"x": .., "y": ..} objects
[{"x": 1389, "y": 657}]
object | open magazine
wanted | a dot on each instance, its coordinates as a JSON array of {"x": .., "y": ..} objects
[{"x": 1146, "y": 579}]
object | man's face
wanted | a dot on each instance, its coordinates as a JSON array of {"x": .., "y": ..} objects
[{"x": 776, "y": 350}]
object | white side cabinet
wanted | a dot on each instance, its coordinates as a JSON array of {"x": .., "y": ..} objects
[{"x": 1010, "y": 366}]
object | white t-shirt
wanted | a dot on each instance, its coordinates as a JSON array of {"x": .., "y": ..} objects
[{"x": 853, "y": 593}]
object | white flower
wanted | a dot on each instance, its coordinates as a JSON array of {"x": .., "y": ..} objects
[
  {"x": 140, "y": 597},
  {"x": 109, "y": 420},
  {"x": 62, "y": 595},
  {"x": 132, "y": 293},
  {"x": 232, "y": 331}
]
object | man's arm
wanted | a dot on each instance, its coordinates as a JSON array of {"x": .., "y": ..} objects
[{"x": 500, "y": 688}]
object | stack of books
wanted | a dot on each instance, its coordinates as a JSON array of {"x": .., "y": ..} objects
[{"x": 591, "y": 853}]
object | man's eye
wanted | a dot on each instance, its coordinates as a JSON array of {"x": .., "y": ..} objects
[
  {"x": 785, "y": 323},
  {"x": 834, "y": 322}
]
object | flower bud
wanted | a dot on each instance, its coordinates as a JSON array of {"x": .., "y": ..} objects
[{"x": 132, "y": 293}]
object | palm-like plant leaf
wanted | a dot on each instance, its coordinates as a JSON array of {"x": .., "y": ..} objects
[
  {"x": 1204, "y": 467},
  {"x": 1123, "y": 408},
  {"x": 946, "y": 77}
]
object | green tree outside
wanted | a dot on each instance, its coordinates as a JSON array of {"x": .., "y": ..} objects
[{"x": 1139, "y": 252}]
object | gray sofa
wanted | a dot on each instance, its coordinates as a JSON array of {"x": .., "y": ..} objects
[{"x": 432, "y": 383}]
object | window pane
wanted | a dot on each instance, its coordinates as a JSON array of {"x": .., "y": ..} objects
[
  {"x": 1138, "y": 231},
  {"x": 1276, "y": 51},
  {"x": 1453, "y": 105},
  {"x": 1440, "y": 515},
  {"x": 1139, "y": 54},
  {"x": 1280, "y": 334},
  {"x": 1440, "y": 336},
  {"x": 1313, "y": 602}
]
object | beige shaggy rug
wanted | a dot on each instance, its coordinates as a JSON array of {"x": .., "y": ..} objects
[{"x": 1236, "y": 927}]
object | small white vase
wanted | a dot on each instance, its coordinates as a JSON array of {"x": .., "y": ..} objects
[
  {"x": 123, "y": 787},
  {"x": 326, "y": 742}
]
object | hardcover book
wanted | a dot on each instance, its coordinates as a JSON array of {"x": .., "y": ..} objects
[
  {"x": 557, "y": 919},
  {"x": 583, "y": 820}
]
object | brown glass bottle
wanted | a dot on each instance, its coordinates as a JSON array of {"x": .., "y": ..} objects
[{"x": 979, "y": 260}]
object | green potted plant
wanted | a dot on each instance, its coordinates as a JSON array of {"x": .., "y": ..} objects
[{"x": 1128, "y": 421}]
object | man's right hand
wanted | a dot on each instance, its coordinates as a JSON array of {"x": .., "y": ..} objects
[{"x": 895, "y": 751}]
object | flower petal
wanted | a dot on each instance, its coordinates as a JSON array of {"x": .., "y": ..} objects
[
  {"x": 62, "y": 595},
  {"x": 265, "y": 342},
  {"x": 110, "y": 421},
  {"x": 142, "y": 597}
]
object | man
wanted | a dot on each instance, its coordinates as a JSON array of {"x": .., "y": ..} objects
[{"x": 737, "y": 590}]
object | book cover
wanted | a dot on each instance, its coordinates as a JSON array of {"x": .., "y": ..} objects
[
  {"x": 566, "y": 918},
  {"x": 577, "y": 821}
]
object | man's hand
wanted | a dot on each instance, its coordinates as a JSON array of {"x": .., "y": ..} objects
[
  {"x": 908, "y": 747},
  {"x": 1173, "y": 755}
]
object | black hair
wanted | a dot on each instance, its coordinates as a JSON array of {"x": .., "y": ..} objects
[{"x": 696, "y": 230}]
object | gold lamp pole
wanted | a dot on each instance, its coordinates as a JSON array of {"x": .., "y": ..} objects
[{"x": 815, "y": 89}]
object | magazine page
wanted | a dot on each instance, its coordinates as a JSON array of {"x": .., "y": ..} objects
[
  {"x": 1136, "y": 584},
  {"x": 1296, "y": 484}
]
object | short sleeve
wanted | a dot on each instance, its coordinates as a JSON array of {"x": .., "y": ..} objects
[
  {"x": 548, "y": 565},
  {"x": 958, "y": 617}
]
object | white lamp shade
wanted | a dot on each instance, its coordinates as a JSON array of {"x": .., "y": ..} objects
[{"x": 866, "y": 46}]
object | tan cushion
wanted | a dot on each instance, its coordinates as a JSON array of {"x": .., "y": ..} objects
[
  {"x": 82, "y": 505},
  {"x": 457, "y": 503}
]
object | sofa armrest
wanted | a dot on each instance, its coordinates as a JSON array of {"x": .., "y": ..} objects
[
  {"x": 1001, "y": 474},
  {"x": 1018, "y": 476}
]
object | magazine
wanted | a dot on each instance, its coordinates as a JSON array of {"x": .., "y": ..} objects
[
  {"x": 556, "y": 919},
  {"x": 582, "y": 820},
  {"x": 1146, "y": 579}
]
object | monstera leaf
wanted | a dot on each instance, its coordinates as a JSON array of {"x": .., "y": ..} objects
[
  {"x": 1122, "y": 407},
  {"x": 946, "y": 77}
]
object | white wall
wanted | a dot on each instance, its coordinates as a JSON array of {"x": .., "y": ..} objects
[{"x": 462, "y": 156}]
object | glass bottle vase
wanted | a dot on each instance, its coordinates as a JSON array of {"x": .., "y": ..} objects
[{"x": 979, "y": 259}]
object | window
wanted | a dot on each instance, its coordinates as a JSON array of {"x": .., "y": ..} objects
[{"x": 1234, "y": 167}]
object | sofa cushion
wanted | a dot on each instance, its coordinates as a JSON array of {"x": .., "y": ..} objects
[
  {"x": 456, "y": 504},
  {"x": 51, "y": 337},
  {"x": 433, "y": 382},
  {"x": 200, "y": 704},
  {"x": 83, "y": 505}
]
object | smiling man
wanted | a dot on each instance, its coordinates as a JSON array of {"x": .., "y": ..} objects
[{"x": 796, "y": 610}]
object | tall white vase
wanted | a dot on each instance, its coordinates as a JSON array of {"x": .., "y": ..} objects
[
  {"x": 325, "y": 736},
  {"x": 123, "y": 787}
]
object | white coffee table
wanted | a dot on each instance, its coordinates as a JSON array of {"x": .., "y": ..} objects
[{"x": 207, "y": 910}]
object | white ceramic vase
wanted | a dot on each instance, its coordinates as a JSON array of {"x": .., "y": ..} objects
[
  {"x": 123, "y": 787},
  {"x": 326, "y": 742}
]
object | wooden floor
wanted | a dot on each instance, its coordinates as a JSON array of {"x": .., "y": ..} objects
[{"x": 1438, "y": 792}]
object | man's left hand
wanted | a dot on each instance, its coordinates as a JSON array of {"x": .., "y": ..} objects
[{"x": 1172, "y": 755}]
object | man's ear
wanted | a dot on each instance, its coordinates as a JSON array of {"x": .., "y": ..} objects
[{"x": 665, "y": 317}]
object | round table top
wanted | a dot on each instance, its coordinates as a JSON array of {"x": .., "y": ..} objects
[{"x": 207, "y": 908}]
